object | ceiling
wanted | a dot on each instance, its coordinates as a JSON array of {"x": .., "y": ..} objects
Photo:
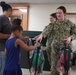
[{"x": 40, "y": 1}]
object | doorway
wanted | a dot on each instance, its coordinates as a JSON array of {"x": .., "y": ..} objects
[{"x": 21, "y": 11}]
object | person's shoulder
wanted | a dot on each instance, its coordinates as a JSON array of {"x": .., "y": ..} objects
[
  {"x": 55, "y": 22},
  {"x": 48, "y": 25},
  {"x": 69, "y": 22},
  {"x": 1, "y": 17},
  {"x": 18, "y": 40}
]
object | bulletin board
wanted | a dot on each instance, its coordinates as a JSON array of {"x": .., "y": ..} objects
[{"x": 71, "y": 17}]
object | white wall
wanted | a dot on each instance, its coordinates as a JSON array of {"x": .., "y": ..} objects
[
  {"x": 39, "y": 14},
  {"x": 1, "y": 12}
]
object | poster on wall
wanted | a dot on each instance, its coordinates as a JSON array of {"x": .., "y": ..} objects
[{"x": 71, "y": 17}]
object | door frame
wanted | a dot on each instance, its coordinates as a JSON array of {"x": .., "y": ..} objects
[{"x": 17, "y": 6}]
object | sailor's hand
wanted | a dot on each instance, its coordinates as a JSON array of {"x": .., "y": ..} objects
[
  {"x": 39, "y": 39},
  {"x": 67, "y": 40}
]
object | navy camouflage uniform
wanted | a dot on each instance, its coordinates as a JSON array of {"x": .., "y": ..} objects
[{"x": 60, "y": 31}]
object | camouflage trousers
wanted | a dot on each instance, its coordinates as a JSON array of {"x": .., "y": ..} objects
[
  {"x": 54, "y": 58},
  {"x": 48, "y": 51}
]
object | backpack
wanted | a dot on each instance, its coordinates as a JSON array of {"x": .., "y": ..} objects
[
  {"x": 64, "y": 62},
  {"x": 37, "y": 59}
]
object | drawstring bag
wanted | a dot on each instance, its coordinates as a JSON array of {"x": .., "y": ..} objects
[{"x": 64, "y": 62}]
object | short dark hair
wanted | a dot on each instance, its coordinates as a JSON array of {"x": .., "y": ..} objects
[
  {"x": 16, "y": 27},
  {"x": 5, "y": 6},
  {"x": 62, "y": 8},
  {"x": 53, "y": 15},
  {"x": 17, "y": 21}
]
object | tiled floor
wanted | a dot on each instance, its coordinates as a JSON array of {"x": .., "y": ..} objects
[{"x": 26, "y": 71}]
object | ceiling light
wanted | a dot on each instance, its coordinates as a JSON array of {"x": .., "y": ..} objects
[{"x": 23, "y": 10}]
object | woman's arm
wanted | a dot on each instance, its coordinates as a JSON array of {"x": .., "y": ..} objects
[
  {"x": 72, "y": 33},
  {"x": 47, "y": 30},
  {"x": 4, "y": 36}
]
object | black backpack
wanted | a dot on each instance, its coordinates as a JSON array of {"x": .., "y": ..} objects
[{"x": 66, "y": 63}]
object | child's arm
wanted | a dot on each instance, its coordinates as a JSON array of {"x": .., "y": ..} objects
[
  {"x": 23, "y": 37},
  {"x": 25, "y": 46},
  {"x": 5, "y": 52}
]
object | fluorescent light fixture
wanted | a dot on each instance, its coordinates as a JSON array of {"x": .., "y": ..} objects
[{"x": 23, "y": 10}]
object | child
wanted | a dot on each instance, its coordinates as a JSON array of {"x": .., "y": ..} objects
[
  {"x": 12, "y": 51},
  {"x": 17, "y": 21}
]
